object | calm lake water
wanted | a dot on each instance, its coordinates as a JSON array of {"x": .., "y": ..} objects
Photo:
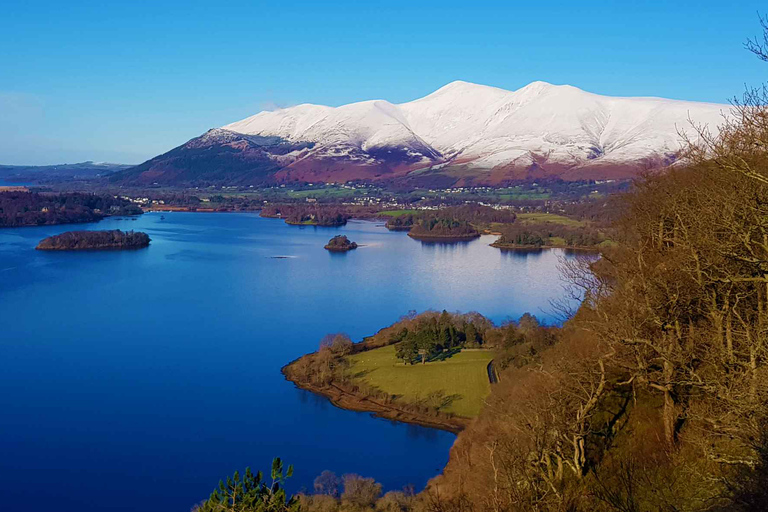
[{"x": 135, "y": 380}]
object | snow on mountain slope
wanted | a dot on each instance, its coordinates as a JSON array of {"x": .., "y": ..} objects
[
  {"x": 488, "y": 128},
  {"x": 460, "y": 134},
  {"x": 350, "y": 130}
]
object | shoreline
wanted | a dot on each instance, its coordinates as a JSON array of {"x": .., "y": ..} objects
[
  {"x": 349, "y": 401},
  {"x": 444, "y": 238},
  {"x": 516, "y": 247}
]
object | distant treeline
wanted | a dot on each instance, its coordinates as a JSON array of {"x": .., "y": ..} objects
[
  {"x": 38, "y": 209},
  {"x": 81, "y": 240}
]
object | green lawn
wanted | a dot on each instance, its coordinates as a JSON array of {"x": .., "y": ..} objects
[
  {"x": 548, "y": 217},
  {"x": 463, "y": 376}
]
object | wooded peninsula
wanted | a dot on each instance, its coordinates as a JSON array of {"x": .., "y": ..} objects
[{"x": 401, "y": 372}]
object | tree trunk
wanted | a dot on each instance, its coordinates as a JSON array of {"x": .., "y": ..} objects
[
  {"x": 669, "y": 413},
  {"x": 729, "y": 337}
]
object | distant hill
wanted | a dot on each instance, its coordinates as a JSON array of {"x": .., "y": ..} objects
[
  {"x": 58, "y": 172},
  {"x": 462, "y": 134}
]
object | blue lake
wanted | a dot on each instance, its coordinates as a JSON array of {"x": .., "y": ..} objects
[{"x": 135, "y": 380}]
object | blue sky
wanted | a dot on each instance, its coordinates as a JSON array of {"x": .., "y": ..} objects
[{"x": 125, "y": 81}]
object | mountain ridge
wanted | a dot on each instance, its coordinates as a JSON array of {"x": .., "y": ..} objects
[{"x": 462, "y": 133}]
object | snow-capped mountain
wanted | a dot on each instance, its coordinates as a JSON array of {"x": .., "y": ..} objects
[{"x": 462, "y": 133}]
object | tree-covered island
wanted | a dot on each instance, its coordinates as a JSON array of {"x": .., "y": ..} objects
[
  {"x": 307, "y": 215},
  {"x": 92, "y": 240},
  {"x": 340, "y": 243}
]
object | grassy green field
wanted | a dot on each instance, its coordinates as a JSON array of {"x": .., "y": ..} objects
[
  {"x": 397, "y": 213},
  {"x": 462, "y": 376},
  {"x": 323, "y": 193},
  {"x": 548, "y": 217}
]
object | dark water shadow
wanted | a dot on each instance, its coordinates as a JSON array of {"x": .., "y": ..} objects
[
  {"x": 444, "y": 246},
  {"x": 444, "y": 241},
  {"x": 523, "y": 254}
]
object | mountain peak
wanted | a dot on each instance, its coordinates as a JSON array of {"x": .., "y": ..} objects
[
  {"x": 461, "y": 86},
  {"x": 540, "y": 87}
]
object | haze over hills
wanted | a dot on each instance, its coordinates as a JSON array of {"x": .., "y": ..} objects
[
  {"x": 58, "y": 172},
  {"x": 461, "y": 134}
]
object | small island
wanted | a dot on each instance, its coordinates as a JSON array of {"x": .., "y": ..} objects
[
  {"x": 94, "y": 240},
  {"x": 443, "y": 229},
  {"x": 340, "y": 243},
  {"x": 300, "y": 215},
  {"x": 400, "y": 222}
]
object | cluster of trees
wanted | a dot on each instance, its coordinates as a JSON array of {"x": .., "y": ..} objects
[
  {"x": 353, "y": 493},
  {"x": 37, "y": 209},
  {"x": 601, "y": 212},
  {"x": 402, "y": 222},
  {"x": 438, "y": 226},
  {"x": 429, "y": 336},
  {"x": 78, "y": 240},
  {"x": 331, "y": 493},
  {"x": 540, "y": 234},
  {"x": 480, "y": 214},
  {"x": 252, "y": 493},
  {"x": 308, "y": 214},
  {"x": 443, "y": 219}
]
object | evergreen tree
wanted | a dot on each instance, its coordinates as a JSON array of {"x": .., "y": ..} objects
[
  {"x": 471, "y": 333},
  {"x": 252, "y": 494}
]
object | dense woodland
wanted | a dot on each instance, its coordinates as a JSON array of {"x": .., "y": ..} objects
[
  {"x": 81, "y": 240},
  {"x": 654, "y": 394},
  {"x": 37, "y": 209}
]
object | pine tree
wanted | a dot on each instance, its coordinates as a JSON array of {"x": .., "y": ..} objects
[{"x": 251, "y": 493}]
